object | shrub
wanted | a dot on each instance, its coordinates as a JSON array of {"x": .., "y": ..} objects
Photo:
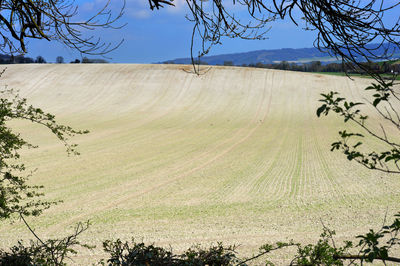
[{"x": 141, "y": 254}]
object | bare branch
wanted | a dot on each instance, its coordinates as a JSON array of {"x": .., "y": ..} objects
[
  {"x": 354, "y": 31},
  {"x": 54, "y": 20}
]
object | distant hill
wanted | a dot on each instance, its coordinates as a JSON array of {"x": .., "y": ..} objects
[
  {"x": 301, "y": 55},
  {"x": 263, "y": 56}
]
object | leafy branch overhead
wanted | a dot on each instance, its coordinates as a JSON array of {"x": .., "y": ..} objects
[{"x": 16, "y": 196}]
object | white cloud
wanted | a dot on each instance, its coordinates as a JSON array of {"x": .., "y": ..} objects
[
  {"x": 180, "y": 6},
  {"x": 91, "y": 6},
  {"x": 137, "y": 13}
]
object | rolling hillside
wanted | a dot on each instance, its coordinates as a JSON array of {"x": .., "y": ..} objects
[
  {"x": 235, "y": 155},
  {"x": 301, "y": 55},
  {"x": 294, "y": 55}
]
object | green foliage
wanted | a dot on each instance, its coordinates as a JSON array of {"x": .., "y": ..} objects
[
  {"x": 370, "y": 247},
  {"x": 50, "y": 252},
  {"x": 371, "y": 243},
  {"x": 325, "y": 252},
  {"x": 124, "y": 253},
  {"x": 384, "y": 100},
  {"x": 16, "y": 196},
  {"x": 139, "y": 254},
  {"x": 215, "y": 255}
]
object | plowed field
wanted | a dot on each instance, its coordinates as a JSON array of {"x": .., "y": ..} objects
[{"x": 235, "y": 155}]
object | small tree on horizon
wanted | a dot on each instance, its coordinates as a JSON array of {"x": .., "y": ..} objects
[
  {"x": 60, "y": 60},
  {"x": 40, "y": 60}
]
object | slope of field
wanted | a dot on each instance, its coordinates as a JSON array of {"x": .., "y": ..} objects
[{"x": 234, "y": 155}]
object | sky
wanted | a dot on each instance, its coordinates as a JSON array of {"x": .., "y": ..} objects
[{"x": 165, "y": 34}]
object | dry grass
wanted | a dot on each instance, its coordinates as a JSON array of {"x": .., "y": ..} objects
[{"x": 236, "y": 155}]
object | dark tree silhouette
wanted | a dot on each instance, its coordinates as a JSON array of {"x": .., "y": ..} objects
[
  {"x": 60, "y": 60},
  {"x": 40, "y": 60}
]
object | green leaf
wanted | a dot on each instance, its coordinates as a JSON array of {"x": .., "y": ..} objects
[
  {"x": 376, "y": 102},
  {"x": 358, "y": 144},
  {"x": 321, "y": 109}
]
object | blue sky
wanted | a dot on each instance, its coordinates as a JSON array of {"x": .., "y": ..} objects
[{"x": 159, "y": 35}]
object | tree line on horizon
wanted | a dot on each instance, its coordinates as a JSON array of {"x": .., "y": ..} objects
[
  {"x": 383, "y": 67},
  {"x": 21, "y": 59}
]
